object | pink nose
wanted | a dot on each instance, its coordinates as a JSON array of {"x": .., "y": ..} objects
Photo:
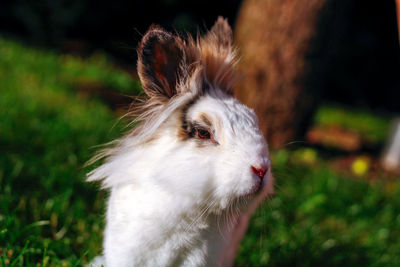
[{"x": 259, "y": 172}]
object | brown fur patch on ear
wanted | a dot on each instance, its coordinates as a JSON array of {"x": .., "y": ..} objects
[
  {"x": 221, "y": 32},
  {"x": 216, "y": 55},
  {"x": 160, "y": 56},
  {"x": 219, "y": 67},
  {"x": 165, "y": 60}
]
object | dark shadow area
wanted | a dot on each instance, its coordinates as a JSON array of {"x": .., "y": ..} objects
[{"x": 355, "y": 57}]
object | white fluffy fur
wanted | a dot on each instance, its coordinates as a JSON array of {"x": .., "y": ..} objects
[{"x": 177, "y": 202}]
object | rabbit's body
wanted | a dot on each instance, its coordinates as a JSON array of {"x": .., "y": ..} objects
[
  {"x": 184, "y": 184},
  {"x": 162, "y": 235}
]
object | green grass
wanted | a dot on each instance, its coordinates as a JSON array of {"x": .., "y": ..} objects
[
  {"x": 50, "y": 217},
  {"x": 372, "y": 127},
  {"x": 64, "y": 70},
  {"x": 318, "y": 218},
  {"x": 47, "y": 213}
]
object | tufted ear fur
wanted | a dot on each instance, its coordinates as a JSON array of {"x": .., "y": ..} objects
[
  {"x": 160, "y": 60},
  {"x": 221, "y": 33},
  {"x": 219, "y": 55}
]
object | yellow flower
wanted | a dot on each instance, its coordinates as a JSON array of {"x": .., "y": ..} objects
[{"x": 360, "y": 166}]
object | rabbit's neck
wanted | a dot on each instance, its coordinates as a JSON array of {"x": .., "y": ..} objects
[{"x": 154, "y": 229}]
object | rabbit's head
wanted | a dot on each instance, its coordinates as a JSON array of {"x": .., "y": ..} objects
[{"x": 194, "y": 141}]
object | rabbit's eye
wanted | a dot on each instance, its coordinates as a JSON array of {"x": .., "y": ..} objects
[{"x": 203, "y": 134}]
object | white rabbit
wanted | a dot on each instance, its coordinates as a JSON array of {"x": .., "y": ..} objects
[{"x": 185, "y": 180}]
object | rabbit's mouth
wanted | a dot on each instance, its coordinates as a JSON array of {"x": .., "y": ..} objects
[
  {"x": 255, "y": 190},
  {"x": 257, "y": 187},
  {"x": 247, "y": 198}
]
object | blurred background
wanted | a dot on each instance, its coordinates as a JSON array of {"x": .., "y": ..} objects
[{"x": 323, "y": 77}]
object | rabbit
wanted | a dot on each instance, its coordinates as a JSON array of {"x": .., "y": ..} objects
[{"x": 184, "y": 182}]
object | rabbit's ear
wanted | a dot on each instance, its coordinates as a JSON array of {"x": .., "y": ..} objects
[
  {"x": 160, "y": 58},
  {"x": 221, "y": 33}
]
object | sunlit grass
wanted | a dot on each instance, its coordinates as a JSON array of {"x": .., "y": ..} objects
[
  {"x": 20, "y": 62},
  {"x": 370, "y": 126}
]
